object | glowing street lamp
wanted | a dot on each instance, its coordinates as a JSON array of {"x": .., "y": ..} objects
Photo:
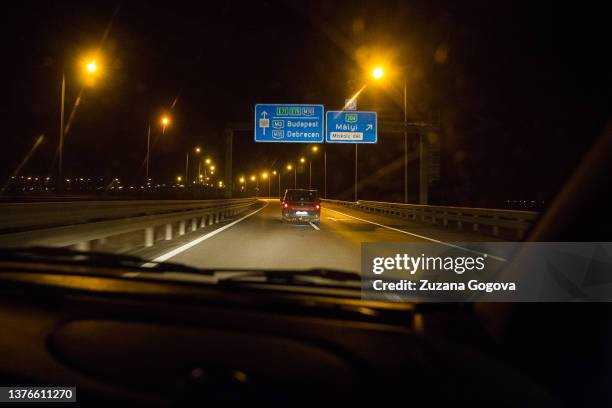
[
  {"x": 314, "y": 150},
  {"x": 243, "y": 181},
  {"x": 302, "y": 161},
  {"x": 92, "y": 67},
  {"x": 254, "y": 178},
  {"x": 165, "y": 122},
  {"x": 289, "y": 167},
  {"x": 264, "y": 176},
  {"x": 90, "y": 73},
  {"x": 279, "y": 181},
  {"x": 378, "y": 73}
]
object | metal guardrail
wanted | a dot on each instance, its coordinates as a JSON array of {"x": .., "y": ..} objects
[
  {"x": 15, "y": 217},
  {"x": 126, "y": 224},
  {"x": 495, "y": 221}
]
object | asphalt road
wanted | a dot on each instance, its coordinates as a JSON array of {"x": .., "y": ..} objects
[{"x": 260, "y": 240}]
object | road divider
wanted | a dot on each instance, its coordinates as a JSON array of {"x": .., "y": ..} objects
[
  {"x": 128, "y": 225},
  {"x": 510, "y": 223},
  {"x": 182, "y": 248}
]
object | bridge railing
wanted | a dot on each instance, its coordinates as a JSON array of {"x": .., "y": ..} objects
[
  {"x": 116, "y": 226},
  {"x": 494, "y": 221}
]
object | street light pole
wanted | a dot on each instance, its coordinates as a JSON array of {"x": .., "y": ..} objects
[
  {"x": 279, "y": 184},
  {"x": 423, "y": 170},
  {"x": 187, "y": 171},
  {"x": 148, "y": 151},
  {"x": 325, "y": 172},
  {"x": 295, "y": 177},
  {"x": 60, "y": 177},
  {"x": 310, "y": 174},
  {"x": 199, "y": 178}
]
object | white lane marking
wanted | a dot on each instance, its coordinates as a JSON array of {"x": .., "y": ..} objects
[
  {"x": 196, "y": 241},
  {"x": 497, "y": 258},
  {"x": 337, "y": 219},
  {"x": 314, "y": 226}
]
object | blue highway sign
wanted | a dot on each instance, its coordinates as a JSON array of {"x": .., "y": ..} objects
[
  {"x": 351, "y": 127},
  {"x": 289, "y": 123}
]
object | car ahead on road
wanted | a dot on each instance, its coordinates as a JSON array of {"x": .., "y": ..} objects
[{"x": 301, "y": 205}]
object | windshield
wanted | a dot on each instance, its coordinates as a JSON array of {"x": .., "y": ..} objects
[
  {"x": 300, "y": 195},
  {"x": 289, "y": 136},
  {"x": 213, "y": 203}
]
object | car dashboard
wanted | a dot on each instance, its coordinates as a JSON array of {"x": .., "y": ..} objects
[{"x": 169, "y": 343}]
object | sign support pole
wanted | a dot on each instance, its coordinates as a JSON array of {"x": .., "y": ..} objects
[
  {"x": 325, "y": 173},
  {"x": 356, "y": 172},
  {"x": 229, "y": 182},
  {"x": 405, "y": 145}
]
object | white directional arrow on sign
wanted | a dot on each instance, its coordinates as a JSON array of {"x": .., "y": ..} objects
[
  {"x": 369, "y": 127},
  {"x": 264, "y": 122}
]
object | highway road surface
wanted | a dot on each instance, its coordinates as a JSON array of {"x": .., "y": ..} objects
[{"x": 258, "y": 239}]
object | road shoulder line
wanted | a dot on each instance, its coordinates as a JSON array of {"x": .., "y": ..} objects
[
  {"x": 497, "y": 258},
  {"x": 184, "y": 247}
]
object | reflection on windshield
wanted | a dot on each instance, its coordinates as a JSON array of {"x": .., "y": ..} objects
[{"x": 300, "y": 195}]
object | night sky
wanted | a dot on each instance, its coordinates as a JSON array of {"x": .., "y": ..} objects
[{"x": 521, "y": 90}]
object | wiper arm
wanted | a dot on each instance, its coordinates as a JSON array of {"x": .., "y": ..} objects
[
  {"x": 286, "y": 277},
  {"x": 101, "y": 259},
  {"x": 69, "y": 256}
]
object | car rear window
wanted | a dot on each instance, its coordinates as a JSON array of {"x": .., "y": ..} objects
[{"x": 298, "y": 195}]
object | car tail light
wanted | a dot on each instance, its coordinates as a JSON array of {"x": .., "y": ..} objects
[
  {"x": 285, "y": 205},
  {"x": 318, "y": 207}
]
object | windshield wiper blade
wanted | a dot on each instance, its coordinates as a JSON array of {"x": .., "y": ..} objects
[
  {"x": 103, "y": 259},
  {"x": 100, "y": 259},
  {"x": 286, "y": 277}
]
